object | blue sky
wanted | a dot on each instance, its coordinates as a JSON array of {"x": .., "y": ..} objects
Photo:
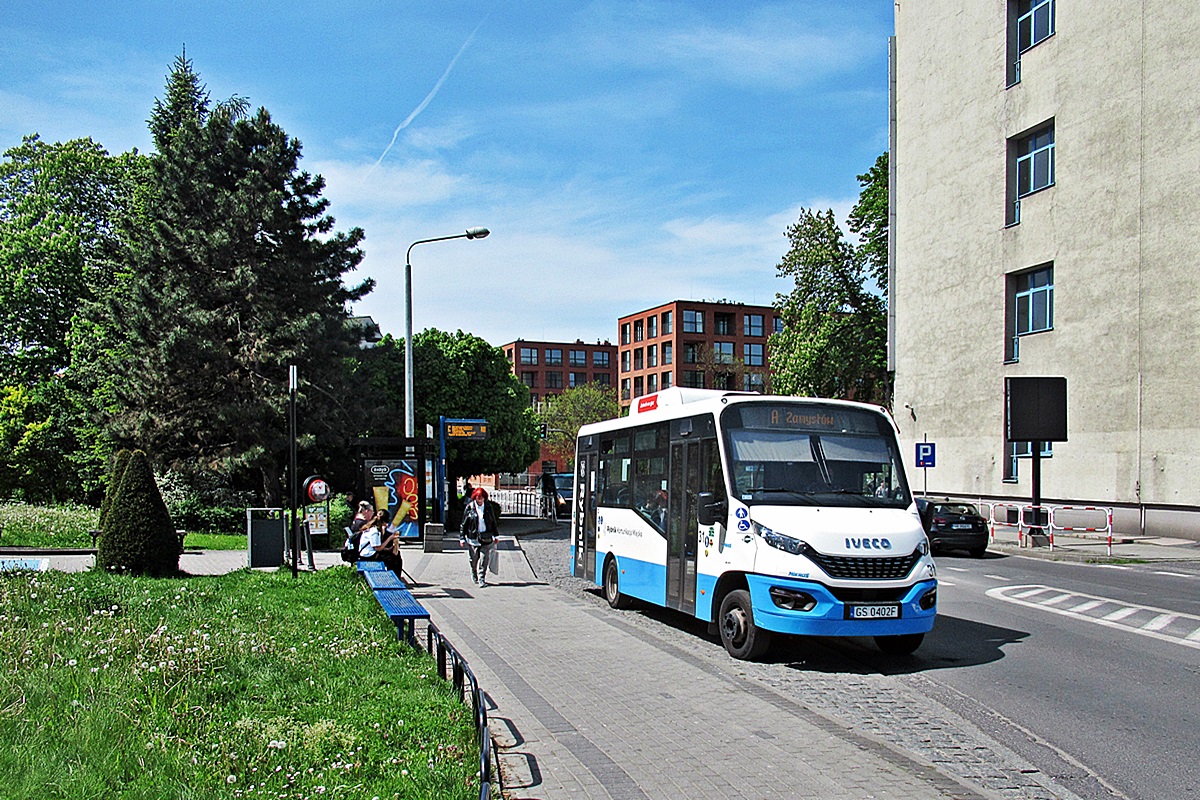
[{"x": 623, "y": 154}]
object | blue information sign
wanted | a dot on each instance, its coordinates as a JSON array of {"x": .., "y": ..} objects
[{"x": 926, "y": 454}]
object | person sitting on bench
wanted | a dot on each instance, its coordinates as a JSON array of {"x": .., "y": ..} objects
[{"x": 380, "y": 541}]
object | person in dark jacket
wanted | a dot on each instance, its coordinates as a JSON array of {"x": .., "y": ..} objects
[{"x": 480, "y": 527}]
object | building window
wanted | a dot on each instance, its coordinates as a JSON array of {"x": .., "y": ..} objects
[
  {"x": 722, "y": 354},
  {"x": 1030, "y": 22},
  {"x": 1030, "y": 305},
  {"x": 753, "y": 382},
  {"x": 602, "y": 379},
  {"x": 752, "y": 325},
  {"x": 600, "y": 359},
  {"x": 577, "y": 379},
  {"x": 652, "y": 356},
  {"x": 691, "y": 353},
  {"x": 578, "y": 358},
  {"x": 777, "y": 324},
  {"x": 624, "y": 333},
  {"x": 723, "y": 380},
  {"x": 554, "y": 380},
  {"x": 638, "y": 361},
  {"x": 752, "y": 355},
  {"x": 722, "y": 324},
  {"x": 638, "y": 391},
  {"x": 1031, "y": 167},
  {"x": 529, "y": 379},
  {"x": 625, "y": 388},
  {"x": 639, "y": 330},
  {"x": 651, "y": 326},
  {"x": 693, "y": 379},
  {"x": 1018, "y": 450},
  {"x": 666, "y": 380},
  {"x": 553, "y": 358},
  {"x": 693, "y": 322},
  {"x": 529, "y": 356},
  {"x": 666, "y": 322},
  {"x": 624, "y": 361},
  {"x": 667, "y": 350},
  {"x": 652, "y": 383}
]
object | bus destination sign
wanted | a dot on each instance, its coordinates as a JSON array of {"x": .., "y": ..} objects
[{"x": 807, "y": 418}]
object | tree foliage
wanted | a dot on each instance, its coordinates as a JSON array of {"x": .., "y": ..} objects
[
  {"x": 834, "y": 340},
  {"x": 457, "y": 375},
  {"x": 234, "y": 272},
  {"x": 571, "y": 410},
  {"x": 138, "y": 536}
]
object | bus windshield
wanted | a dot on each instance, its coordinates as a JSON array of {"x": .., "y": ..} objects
[{"x": 812, "y": 454}]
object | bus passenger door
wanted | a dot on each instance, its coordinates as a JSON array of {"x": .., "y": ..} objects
[
  {"x": 682, "y": 527},
  {"x": 583, "y": 520}
]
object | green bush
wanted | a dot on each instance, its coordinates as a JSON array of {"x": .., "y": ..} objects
[{"x": 138, "y": 535}]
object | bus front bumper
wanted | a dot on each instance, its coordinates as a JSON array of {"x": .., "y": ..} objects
[{"x": 807, "y": 608}]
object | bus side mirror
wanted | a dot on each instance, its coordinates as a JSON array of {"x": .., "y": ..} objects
[{"x": 709, "y": 510}]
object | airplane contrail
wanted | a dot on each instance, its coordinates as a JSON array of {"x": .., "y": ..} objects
[{"x": 428, "y": 98}]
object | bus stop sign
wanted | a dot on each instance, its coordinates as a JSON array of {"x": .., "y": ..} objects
[{"x": 926, "y": 454}]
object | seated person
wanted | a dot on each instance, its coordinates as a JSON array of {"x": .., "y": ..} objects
[
  {"x": 379, "y": 542},
  {"x": 365, "y": 513},
  {"x": 655, "y": 509}
]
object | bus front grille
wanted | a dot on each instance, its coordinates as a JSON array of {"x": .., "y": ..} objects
[{"x": 866, "y": 568}]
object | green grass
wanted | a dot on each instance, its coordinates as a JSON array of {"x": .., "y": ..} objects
[
  {"x": 66, "y": 526},
  {"x": 244, "y": 685},
  {"x": 214, "y": 541}
]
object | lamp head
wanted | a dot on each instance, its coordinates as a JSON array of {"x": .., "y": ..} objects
[{"x": 477, "y": 233}]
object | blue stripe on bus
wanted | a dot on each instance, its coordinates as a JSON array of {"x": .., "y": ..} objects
[
  {"x": 828, "y": 618},
  {"x": 639, "y": 579}
]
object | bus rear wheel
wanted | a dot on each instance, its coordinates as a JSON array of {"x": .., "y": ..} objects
[
  {"x": 612, "y": 588},
  {"x": 902, "y": 645},
  {"x": 742, "y": 638}
]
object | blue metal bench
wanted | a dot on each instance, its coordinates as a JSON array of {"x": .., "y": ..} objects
[
  {"x": 383, "y": 579},
  {"x": 402, "y": 609},
  {"x": 370, "y": 566}
]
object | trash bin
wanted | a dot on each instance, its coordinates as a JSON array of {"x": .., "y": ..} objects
[
  {"x": 265, "y": 531},
  {"x": 433, "y": 537}
]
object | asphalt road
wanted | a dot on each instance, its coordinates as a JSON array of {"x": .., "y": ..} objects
[
  {"x": 1040, "y": 679},
  {"x": 1088, "y": 665}
]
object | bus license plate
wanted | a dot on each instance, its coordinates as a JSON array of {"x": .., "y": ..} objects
[{"x": 890, "y": 611}]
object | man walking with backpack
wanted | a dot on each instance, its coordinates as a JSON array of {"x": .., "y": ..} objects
[{"x": 478, "y": 533}]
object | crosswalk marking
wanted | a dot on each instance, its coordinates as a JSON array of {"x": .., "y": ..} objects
[{"x": 1157, "y": 623}]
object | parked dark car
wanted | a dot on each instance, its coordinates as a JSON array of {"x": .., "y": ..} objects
[
  {"x": 952, "y": 525},
  {"x": 564, "y": 488}
]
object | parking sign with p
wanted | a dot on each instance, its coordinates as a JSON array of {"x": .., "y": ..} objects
[{"x": 926, "y": 454}]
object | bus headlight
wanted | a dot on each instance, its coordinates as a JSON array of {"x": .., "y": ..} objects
[
  {"x": 780, "y": 542},
  {"x": 923, "y": 547}
]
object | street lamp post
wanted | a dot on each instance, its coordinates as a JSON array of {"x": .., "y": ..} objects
[{"x": 409, "y": 420}]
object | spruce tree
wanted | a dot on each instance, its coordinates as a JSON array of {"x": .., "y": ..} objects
[
  {"x": 138, "y": 535},
  {"x": 236, "y": 272}
]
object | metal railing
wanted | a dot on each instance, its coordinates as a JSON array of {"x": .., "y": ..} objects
[
  {"x": 1027, "y": 512},
  {"x": 518, "y": 502},
  {"x": 454, "y": 668}
]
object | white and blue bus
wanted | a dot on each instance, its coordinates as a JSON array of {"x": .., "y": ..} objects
[{"x": 758, "y": 514}]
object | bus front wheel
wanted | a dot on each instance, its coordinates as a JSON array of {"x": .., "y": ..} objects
[
  {"x": 612, "y": 588},
  {"x": 902, "y": 645},
  {"x": 742, "y": 638}
]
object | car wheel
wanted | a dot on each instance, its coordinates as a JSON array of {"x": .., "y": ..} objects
[
  {"x": 742, "y": 638},
  {"x": 977, "y": 552},
  {"x": 612, "y": 589},
  {"x": 899, "y": 645}
]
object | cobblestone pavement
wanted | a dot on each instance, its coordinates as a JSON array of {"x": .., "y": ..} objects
[{"x": 896, "y": 707}]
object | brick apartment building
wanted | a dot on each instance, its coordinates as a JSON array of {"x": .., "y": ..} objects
[
  {"x": 550, "y": 368},
  {"x": 713, "y": 345}
]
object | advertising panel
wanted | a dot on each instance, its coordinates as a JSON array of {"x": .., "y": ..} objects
[{"x": 393, "y": 485}]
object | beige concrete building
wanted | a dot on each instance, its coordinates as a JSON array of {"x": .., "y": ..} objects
[{"x": 1046, "y": 193}]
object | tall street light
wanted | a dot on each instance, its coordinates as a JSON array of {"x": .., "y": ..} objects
[{"x": 471, "y": 233}]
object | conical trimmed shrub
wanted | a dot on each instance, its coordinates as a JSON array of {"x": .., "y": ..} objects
[
  {"x": 138, "y": 536},
  {"x": 116, "y": 470}
]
